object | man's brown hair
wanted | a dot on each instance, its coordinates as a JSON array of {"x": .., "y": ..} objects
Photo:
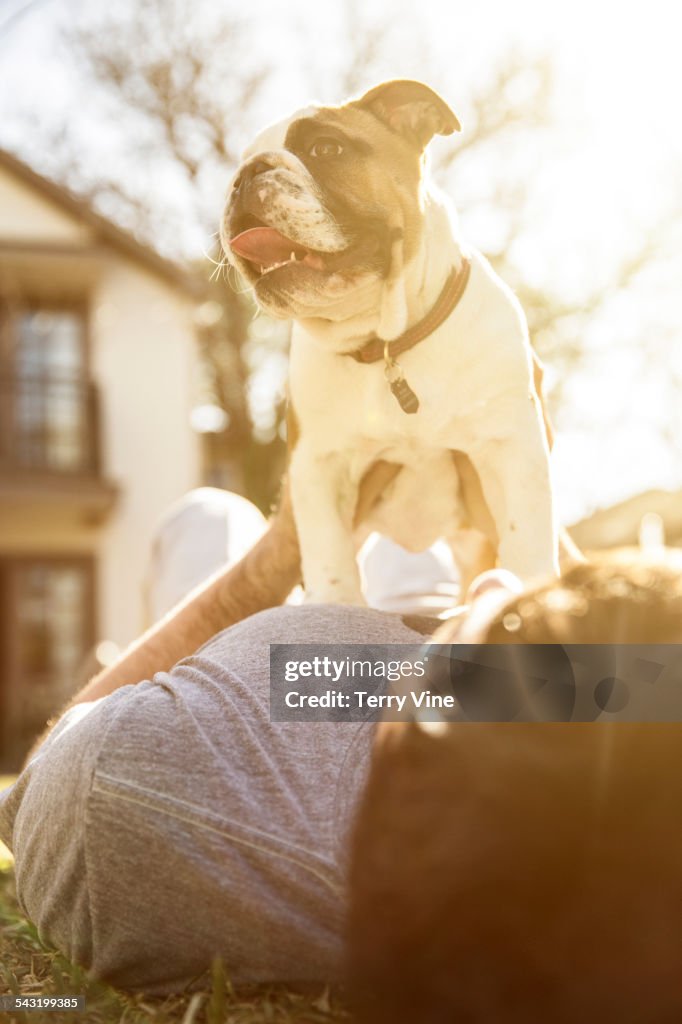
[{"x": 529, "y": 873}]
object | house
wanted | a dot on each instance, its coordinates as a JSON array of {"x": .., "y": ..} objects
[{"x": 98, "y": 365}]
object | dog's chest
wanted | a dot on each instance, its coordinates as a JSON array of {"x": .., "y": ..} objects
[
  {"x": 341, "y": 404},
  {"x": 467, "y": 376}
]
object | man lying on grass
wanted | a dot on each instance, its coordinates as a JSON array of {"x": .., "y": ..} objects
[{"x": 163, "y": 822}]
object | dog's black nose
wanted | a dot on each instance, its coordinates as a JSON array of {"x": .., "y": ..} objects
[
  {"x": 258, "y": 167},
  {"x": 251, "y": 171}
]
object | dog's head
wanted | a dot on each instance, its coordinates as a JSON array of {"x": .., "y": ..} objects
[{"x": 326, "y": 203}]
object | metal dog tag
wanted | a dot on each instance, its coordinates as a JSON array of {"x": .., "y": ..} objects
[{"x": 407, "y": 400}]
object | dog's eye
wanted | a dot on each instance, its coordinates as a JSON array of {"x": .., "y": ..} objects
[{"x": 325, "y": 147}]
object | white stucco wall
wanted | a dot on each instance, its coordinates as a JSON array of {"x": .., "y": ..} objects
[
  {"x": 25, "y": 216},
  {"x": 144, "y": 362}
]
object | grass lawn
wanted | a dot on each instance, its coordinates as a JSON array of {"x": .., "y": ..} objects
[{"x": 27, "y": 966}]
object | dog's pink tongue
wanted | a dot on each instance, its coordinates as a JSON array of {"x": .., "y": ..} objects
[{"x": 265, "y": 246}]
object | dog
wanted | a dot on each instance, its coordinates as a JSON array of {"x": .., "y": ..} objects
[{"x": 410, "y": 358}]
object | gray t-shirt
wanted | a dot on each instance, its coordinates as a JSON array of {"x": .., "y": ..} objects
[{"x": 172, "y": 821}]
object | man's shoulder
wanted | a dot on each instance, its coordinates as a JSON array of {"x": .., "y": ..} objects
[{"x": 316, "y": 623}]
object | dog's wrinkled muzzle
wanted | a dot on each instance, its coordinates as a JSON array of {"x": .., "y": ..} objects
[{"x": 276, "y": 216}]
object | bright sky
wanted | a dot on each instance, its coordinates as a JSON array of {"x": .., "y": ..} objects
[{"x": 613, "y": 162}]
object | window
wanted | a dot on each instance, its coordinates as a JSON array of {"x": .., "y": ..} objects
[
  {"x": 48, "y": 625},
  {"x": 50, "y": 344},
  {"x": 49, "y": 418},
  {"x": 51, "y": 615}
]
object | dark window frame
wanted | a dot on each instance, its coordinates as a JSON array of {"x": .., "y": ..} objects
[
  {"x": 11, "y": 679},
  {"x": 13, "y": 309},
  {"x": 46, "y": 388}
]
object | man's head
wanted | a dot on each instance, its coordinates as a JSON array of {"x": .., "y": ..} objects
[
  {"x": 326, "y": 203},
  {"x": 528, "y": 872}
]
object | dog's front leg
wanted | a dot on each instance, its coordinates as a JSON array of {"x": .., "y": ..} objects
[
  {"x": 515, "y": 477},
  {"x": 324, "y": 501}
]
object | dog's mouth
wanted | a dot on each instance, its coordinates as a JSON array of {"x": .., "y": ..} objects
[{"x": 268, "y": 250}]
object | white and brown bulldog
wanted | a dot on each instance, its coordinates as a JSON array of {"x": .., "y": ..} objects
[{"x": 407, "y": 350}]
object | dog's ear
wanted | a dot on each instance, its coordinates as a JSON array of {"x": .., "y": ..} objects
[{"x": 412, "y": 109}]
